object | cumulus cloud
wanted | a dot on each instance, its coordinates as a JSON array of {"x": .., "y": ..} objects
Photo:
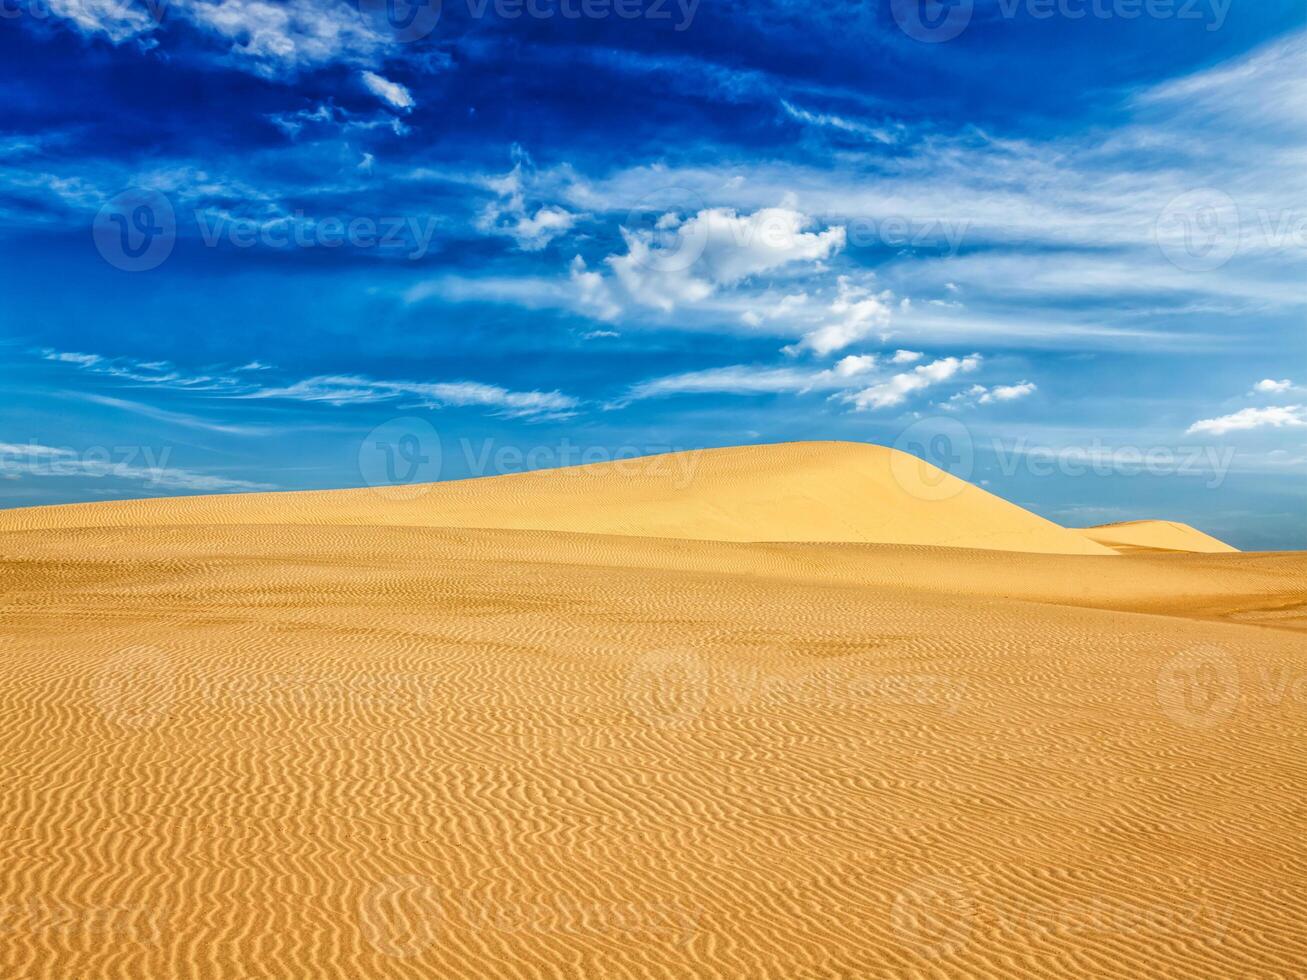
[
  {"x": 895, "y": 390},
  {"x": 392, "y": 93},
  {"x": 593, "y": 291},
  {"x": 1269, "y": 386},
  {"x": 531, "y": 226},
  {"x": 906, "y": 357},
  {"x": 857, "y": 313},
  {"x": 981, "y": 395},
  {"x": 1275, "y": 417},
  {"x": 683, "y": 262}
]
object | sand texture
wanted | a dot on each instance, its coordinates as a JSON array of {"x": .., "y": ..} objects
[{"x": 792, "y": 719}]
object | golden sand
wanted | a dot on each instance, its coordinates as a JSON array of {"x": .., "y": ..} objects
[
  {"x": 717, "y": 729},
  {"x": 1155, "y": 536}
]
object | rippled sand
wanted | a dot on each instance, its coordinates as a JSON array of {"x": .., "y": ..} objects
[{"x": 242, "y": 742}]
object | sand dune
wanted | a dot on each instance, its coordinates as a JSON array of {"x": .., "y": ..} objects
[
  {"x": 1155, "y": 536},
  {"x": 324, "y": 747},
  {"x": 814, "y": 491}
]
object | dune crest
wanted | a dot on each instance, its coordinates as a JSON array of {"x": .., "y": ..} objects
[{"x": 791, "y": 492}]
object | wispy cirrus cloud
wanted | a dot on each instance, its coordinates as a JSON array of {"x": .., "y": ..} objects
[
  {"x": 1247, "y": 419},
  {"x": 353, "y": 390},
  {"x": 335, "y": 390}
]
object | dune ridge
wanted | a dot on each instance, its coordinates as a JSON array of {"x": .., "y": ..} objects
[{"x": 811, "y": 491}]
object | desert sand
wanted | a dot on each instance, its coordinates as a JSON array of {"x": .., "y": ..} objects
[
  {"x": 800, "y": 712},
  {"x": 1130, "y": 536}
]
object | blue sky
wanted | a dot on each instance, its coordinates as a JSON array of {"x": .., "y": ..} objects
[{"x": 1058, "y": 245}]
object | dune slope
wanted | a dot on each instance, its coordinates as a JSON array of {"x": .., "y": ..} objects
[
  {"x": 814, "y": 491},
  {"x": 1130, "y": 536}
]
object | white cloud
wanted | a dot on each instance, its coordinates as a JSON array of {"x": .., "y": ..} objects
[
  {"x": 355, "y": 389},
  {"x": 747, "y": 379},
  {"x": 880, "y": 134},
  {"x": 788, "y": 306},
  {"x": 683, "y": 262},
  {"x": 739, "y": 379},
  {"x": 906, "y": 357},
  {"x": 593, "y": 291},
  {"x": 330, "y": 389},
  {"x": 392, "y": 93},
  {"x": 858, "y": 313},
  {"x": 116, "y": 19},
  {"x": 1276, "y": 417},
  {"x": 896, "y": 390},
  {"x": 1008, "y": 393},
  {"x": 1269, "y": 386},
  {"x": 511, "y": 216},
  {"x": 854, "y": 364},
  {"x": 268, "y": 37},
  {"x": 981, "y": 395},
  {"x": 33, "y": 459}
]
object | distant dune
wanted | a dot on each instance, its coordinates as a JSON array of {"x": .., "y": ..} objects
[
  {"x": 503, "y": 728},
  {"x": 1131, "y": 536},
  {"x": 808, "y": 491}
]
